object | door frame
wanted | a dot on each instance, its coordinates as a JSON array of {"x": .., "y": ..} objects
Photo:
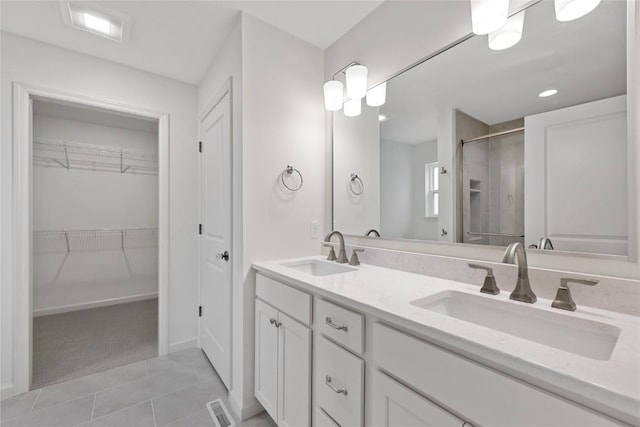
[
  {"x": 225, "y": 89},
  {"x": 22, "y": 219}
]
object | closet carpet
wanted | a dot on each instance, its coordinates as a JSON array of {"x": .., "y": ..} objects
[{"x": 78, "y": 343}]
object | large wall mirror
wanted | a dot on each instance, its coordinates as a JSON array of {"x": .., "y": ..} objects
[{"x": 522, "y": 166}]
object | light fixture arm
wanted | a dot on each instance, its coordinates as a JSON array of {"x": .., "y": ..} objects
[{"x": 344, "y": 69}]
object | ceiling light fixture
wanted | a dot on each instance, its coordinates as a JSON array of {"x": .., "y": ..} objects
[
  {"x": 96, "y": 19},
  {"x": 488, "y": 15},
  {"x": 548, "y": 92},
  {"x": 568, "y": 10},
  {"x": 377, "y": 96},
  {"x": 509, "y": 34}
]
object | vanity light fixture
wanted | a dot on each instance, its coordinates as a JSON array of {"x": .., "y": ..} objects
[
  {"x": 547, "y": 93},
  {"x": 568, "y": 10},
  {"x": 333, "y": 95},
  {"x": 488, "y": 15},
  {"x": 353, "y": 107},
  {"x": 356, "y": 81},
  {"x": 377, "y": 96},
  {"x": 509, "y": 34}
]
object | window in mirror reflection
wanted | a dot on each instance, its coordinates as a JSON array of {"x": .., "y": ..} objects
[{"x": 431, "y": 184}]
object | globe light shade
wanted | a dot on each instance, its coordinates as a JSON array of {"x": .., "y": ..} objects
[
  {"x": 333, "y": 95},
  {"x": 377, "y": 96},
  {"x": 509, "y": 34},
  {"x": 353, "y": 107},
  {"x": 568, "y": 10},
  {"x": 488, "y": 15},
  {"x": 356, "y": 81}
]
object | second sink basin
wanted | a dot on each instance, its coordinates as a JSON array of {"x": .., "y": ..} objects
[
  {"x": 316, "y": 267},
  {"x": 583, "y": 337}
]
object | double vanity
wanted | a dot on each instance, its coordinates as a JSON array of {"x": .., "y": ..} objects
[{"x": 341, "y": 345}]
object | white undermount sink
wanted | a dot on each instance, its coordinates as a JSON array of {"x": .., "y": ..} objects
[
  {"x": 316, "y": 267},
  {"x": 583, "y": 337}
]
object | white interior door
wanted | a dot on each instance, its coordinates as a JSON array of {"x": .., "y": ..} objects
[
  {"x": 215, "y": 237},
  {"x": 576, "y": 177}
]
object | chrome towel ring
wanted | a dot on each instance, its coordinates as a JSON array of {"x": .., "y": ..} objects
[
  {"x": 354, "y": 178},
  {"x": 289, "y": 171}
]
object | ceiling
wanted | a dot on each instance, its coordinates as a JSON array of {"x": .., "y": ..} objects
[
  {"x": 179, "y": 39},
  {"x": 584, "y": 59}
]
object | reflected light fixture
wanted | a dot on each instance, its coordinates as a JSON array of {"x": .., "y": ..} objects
[
  {"x": 353, "y": 107},
  {"x": 488, "y": 15},
  {"x": 333, "y": 95},
  {"x": 377, "y": 96},
  {"x": 382, "y": 118},
  {"x": 356, "y": 81},
  {"x": 509, "y": 34},
  {"x": 568, "y": 10},
  {"x": 548, "y": 92}
]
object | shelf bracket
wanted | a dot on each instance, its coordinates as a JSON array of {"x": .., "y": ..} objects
[
  {"x": 66, "y": 156},
  {"x": 123, "y": 169}
]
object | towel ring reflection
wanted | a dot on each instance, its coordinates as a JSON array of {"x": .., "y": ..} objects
[
  {"x": 289, "y": 171},
  {"x": 354, "y": 178}
]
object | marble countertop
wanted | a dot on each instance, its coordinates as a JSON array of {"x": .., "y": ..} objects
[{"x": 609, "y": 386}]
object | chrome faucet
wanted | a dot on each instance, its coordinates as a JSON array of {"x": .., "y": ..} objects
[
  {"x": 373, "y": 231},
  {"x": 342, "y": 255},
  {"x": 545, "y": 243},
  {"x": 515, "y": 254}
]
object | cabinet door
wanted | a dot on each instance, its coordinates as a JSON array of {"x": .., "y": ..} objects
[
  {"x": 394, "y": 405},
  {"x": 294, "y": 366},
  {"x": 266, "y": 376}
]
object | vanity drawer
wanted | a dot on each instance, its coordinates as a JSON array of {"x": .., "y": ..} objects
[
  {"x": 324, "y": 420},
  {"x": 291, "y": 301},
  {"x": 339, "y": 383},
  {"x": 341, "y": 325},
  {"x": 468, "y": 388}
]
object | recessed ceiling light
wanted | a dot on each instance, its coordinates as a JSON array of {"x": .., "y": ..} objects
[
  {"x": 96, "y": 19},
  {"x": 382, "y": 118},
  {"x": 548, "y": 92},
  {"x": 96, "y": 23}
]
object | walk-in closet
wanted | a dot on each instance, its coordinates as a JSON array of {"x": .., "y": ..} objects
[{"x": 95, "y": 240}]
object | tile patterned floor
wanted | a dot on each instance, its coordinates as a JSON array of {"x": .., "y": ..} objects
[{"x": 164, "y": 391}]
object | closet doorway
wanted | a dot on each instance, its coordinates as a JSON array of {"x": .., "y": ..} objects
[{"x": 95, "y": 250}]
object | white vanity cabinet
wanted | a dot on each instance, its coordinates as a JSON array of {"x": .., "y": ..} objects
[
  {"x": 283, "y": 352},
  {"x": 477, "y": 393}
]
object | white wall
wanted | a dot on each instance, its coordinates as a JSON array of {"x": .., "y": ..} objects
[
  {"x": 396, "y": 190},
  {"x": 46, "y": 66},
  {"x": 278, "y": 120},
  {"x": 97, "y": 269},
  {"x": 356, "y": 145}
]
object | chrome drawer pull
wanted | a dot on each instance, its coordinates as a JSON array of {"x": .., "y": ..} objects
[
  {"x": 327, "y": 381},
  {"x": 334, "y": 326}
]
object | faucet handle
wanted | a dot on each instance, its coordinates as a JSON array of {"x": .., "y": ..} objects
[
  {"x": 332, "y": 253},
  {"x": 563, "y": 300},
  {"x": 354, "y": 256},
  {"x": 489, "y": 286}
]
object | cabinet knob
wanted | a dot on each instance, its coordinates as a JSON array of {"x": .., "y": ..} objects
[{"x": 274, "y": 322}]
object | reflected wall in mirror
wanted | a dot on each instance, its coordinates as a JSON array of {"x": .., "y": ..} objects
[{"x": 517, "y": 166}]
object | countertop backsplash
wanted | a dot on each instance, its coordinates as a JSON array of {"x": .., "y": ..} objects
[{"x": 615, "y": 294}]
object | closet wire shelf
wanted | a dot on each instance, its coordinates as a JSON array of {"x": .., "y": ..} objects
[
  {"x": 103, "y": 239},
  {"x": 80, "y": 155}
]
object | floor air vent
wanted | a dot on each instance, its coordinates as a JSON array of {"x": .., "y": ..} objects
[{"x": 220, "y": 414}]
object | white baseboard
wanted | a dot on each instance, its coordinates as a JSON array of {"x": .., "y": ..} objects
[
  {"x": 6, "y": 391},
  {"x": 93, "y": 304},
  {"x": 183, "y": 345},
  {"x": 248, "y": 410}
]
